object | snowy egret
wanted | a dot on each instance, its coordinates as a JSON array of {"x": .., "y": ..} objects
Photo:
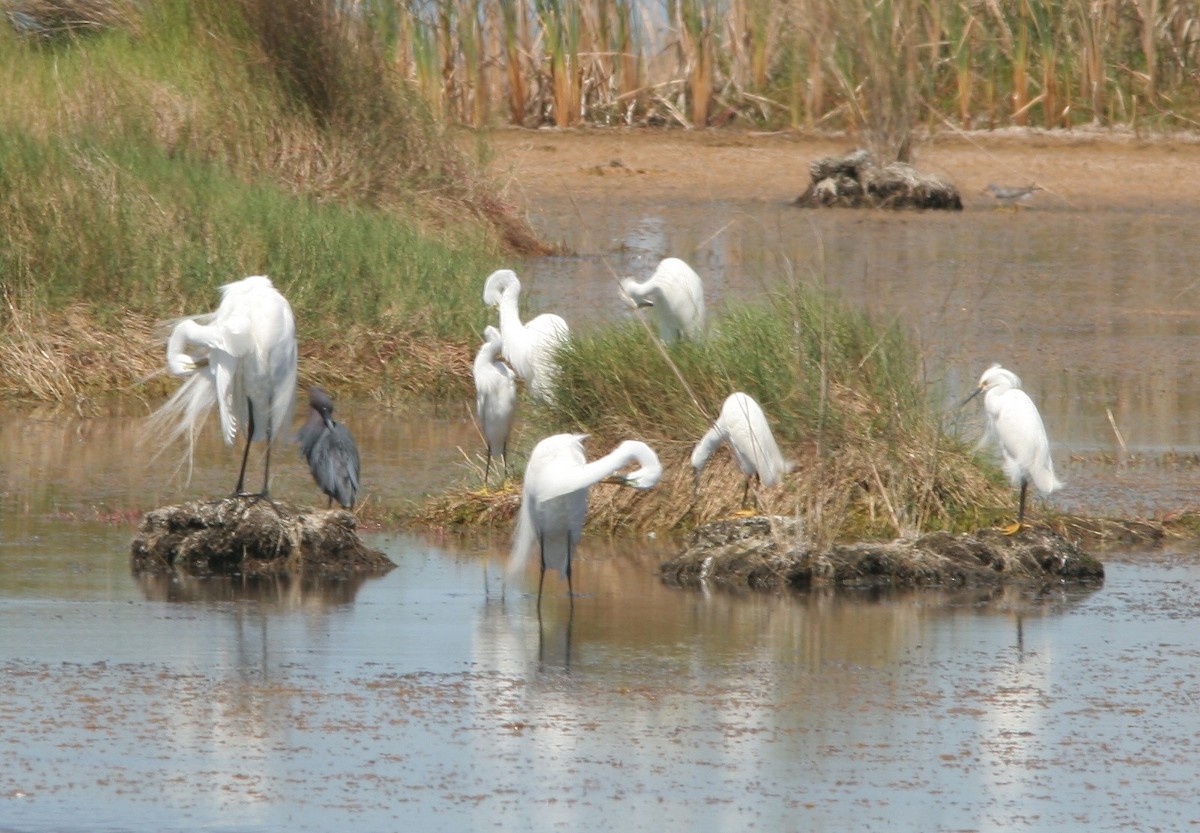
[
  {"x": 495, "y": 399},
  {"x": 528, "y": 347},
  {"x": 1015, "y": 421},
  {"x": 555, "y": 497},
  {"x": 743, "y": 425},
  {"x": 241, "y": 358},
  {"x": 1010, "y": 196},
  {"x": 330, "y": 451},
  {"x": 677, "y": 296}
]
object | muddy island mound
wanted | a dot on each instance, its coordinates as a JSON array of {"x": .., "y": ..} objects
[
  {"x": 771, "y": 553},
  {"x": 250, "y": 536},
  {"x": 855, "y": 181}
]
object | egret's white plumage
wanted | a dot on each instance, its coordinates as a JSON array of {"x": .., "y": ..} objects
[
  {"x": 676, "y": 293},
  {"x": 1014, "y": 420},
  {"x": 529, "y": 347},
  {"x": 495, "y": 399},
  {"x": 743, "y": 425},
  {"x": 241, "y": 358},
  {"x": 555, "y": 496}
]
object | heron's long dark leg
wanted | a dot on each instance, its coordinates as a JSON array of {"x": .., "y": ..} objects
[
  {"x": 246, "y": 453},
  {"x": 745, "y": 492},
  {"x": 487, "y": 468},
  {"x": 270, "y": 442},
  {"x": 570, "y": 557},
  {"x": 542, "y": 577},
  {"x": 504, "y": 459}
]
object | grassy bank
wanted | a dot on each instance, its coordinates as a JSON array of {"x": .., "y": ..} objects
[
  {"x": 845, "y": 397},
  {"x": 172, "y": 147}
]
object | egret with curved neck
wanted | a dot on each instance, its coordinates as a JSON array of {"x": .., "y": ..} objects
[
  {"x": 495, "y": 399},
  {"x": 1014, "y": 420},
  {"x": 744, "y": 427},
  {"x": 529, "y": 347},
  {"x": 555, "y": 497},
  {"x": 241, "y": 358},
  {"x": 676, "y": 294}
]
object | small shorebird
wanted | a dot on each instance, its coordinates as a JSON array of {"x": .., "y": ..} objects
[{"x": 1010, "y": 196}]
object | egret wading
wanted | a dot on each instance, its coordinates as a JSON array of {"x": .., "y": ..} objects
[
  {"x": 529, "y": 347},
  {"x": 676, "y": 293},
  {"x": 495, "y": 399},
  {"x": 241, "y": 358},
  {"x": 555, "y": 497},
  {"x": 1014, "y": 420},
  {"x": 331, "y": 452},
  {"x": 743, "y": 426}
]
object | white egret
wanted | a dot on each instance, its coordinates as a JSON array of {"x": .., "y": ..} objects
[
  {"x": 241, "y": 358},
  {"x": 1015, "y": 421},
  {"x": 743, "y": 425},
  {"x": 495, "y": 399},
  {"x": 676, "y": 293},
  {"x": 555, "y": 496},
  {"x": 331, "y": 452},
  {"x": 528, "y": 347}
]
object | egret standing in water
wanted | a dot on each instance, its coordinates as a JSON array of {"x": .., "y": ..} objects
[
  {"x": 241, "y": 358},
  {"x": 743, "y": 425},
  {"x": 495, "y": 399},
  {"x": 676, "y": 293},
  {"x": 1015, "y": 421},
  {"x": 555, "y": 497},
  {"x": 528, "y": 347},
  {"x": 331, "y": 452}
]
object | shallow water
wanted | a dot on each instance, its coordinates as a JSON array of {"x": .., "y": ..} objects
[
  {"x": 435, "y": 699},
  {"x": 1097, "y": 310},
  {"x": 432, "y": 697}
]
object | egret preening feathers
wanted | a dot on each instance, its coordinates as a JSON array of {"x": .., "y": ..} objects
[
  {"x": 331, "y": 452},
  {"x": 241, "y": 358},
  {"x": 528, "y": 347},
  {"x": 677, "y": 296},
  {"x": 743, "y": 425},
  {"x": 1014, "y": 420},
  {"x": 495, "y": 399},
  {"x": 555, "y": 497}
]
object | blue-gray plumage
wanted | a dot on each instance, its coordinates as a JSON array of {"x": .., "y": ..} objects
[{"x": 330, "y": 451}]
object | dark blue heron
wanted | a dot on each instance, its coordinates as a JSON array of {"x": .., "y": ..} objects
[{"x": 330, "y": 451}]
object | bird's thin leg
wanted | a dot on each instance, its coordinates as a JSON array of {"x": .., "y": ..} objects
[
  {"x": 487, "y": 468},
  {"x": 329, "y": 505},
  {"x": 267, "y": 462},
  {"x": 504, "y": 459},
  {"x": 246, "y": 453},
  {"x": 1013, "y": 529},
  {"x": 541, "y": 578},
  {"x": 570, "y": 588},
  {"x": 745, "y": 492}
]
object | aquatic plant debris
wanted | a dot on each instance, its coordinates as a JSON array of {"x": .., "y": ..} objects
[
  {"x": 855, "y": 181},
  {"x": 772, "y": 552},
  {"x": 252, "y": 536}
]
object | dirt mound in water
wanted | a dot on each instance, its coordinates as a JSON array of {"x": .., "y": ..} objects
[
  {"x": 250, "y": 536},
  {"x": 768, "y": 553},
  {"x": 855, "y": 181}
]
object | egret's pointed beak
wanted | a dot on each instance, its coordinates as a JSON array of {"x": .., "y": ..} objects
[
  {"x": 974, "y": 393},
  {"x": 618, "y": 479}
]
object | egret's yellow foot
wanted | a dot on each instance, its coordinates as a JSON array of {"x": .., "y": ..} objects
[
  {"x": 482, "y": 491},
  {"x": 743, "y": 513},
  {"x": 1013, "y": 528}
]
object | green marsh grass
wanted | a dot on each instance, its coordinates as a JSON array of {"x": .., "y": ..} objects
[
  {"x": 845, "y": 397},
  {"x": 144, "y": 165}
]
